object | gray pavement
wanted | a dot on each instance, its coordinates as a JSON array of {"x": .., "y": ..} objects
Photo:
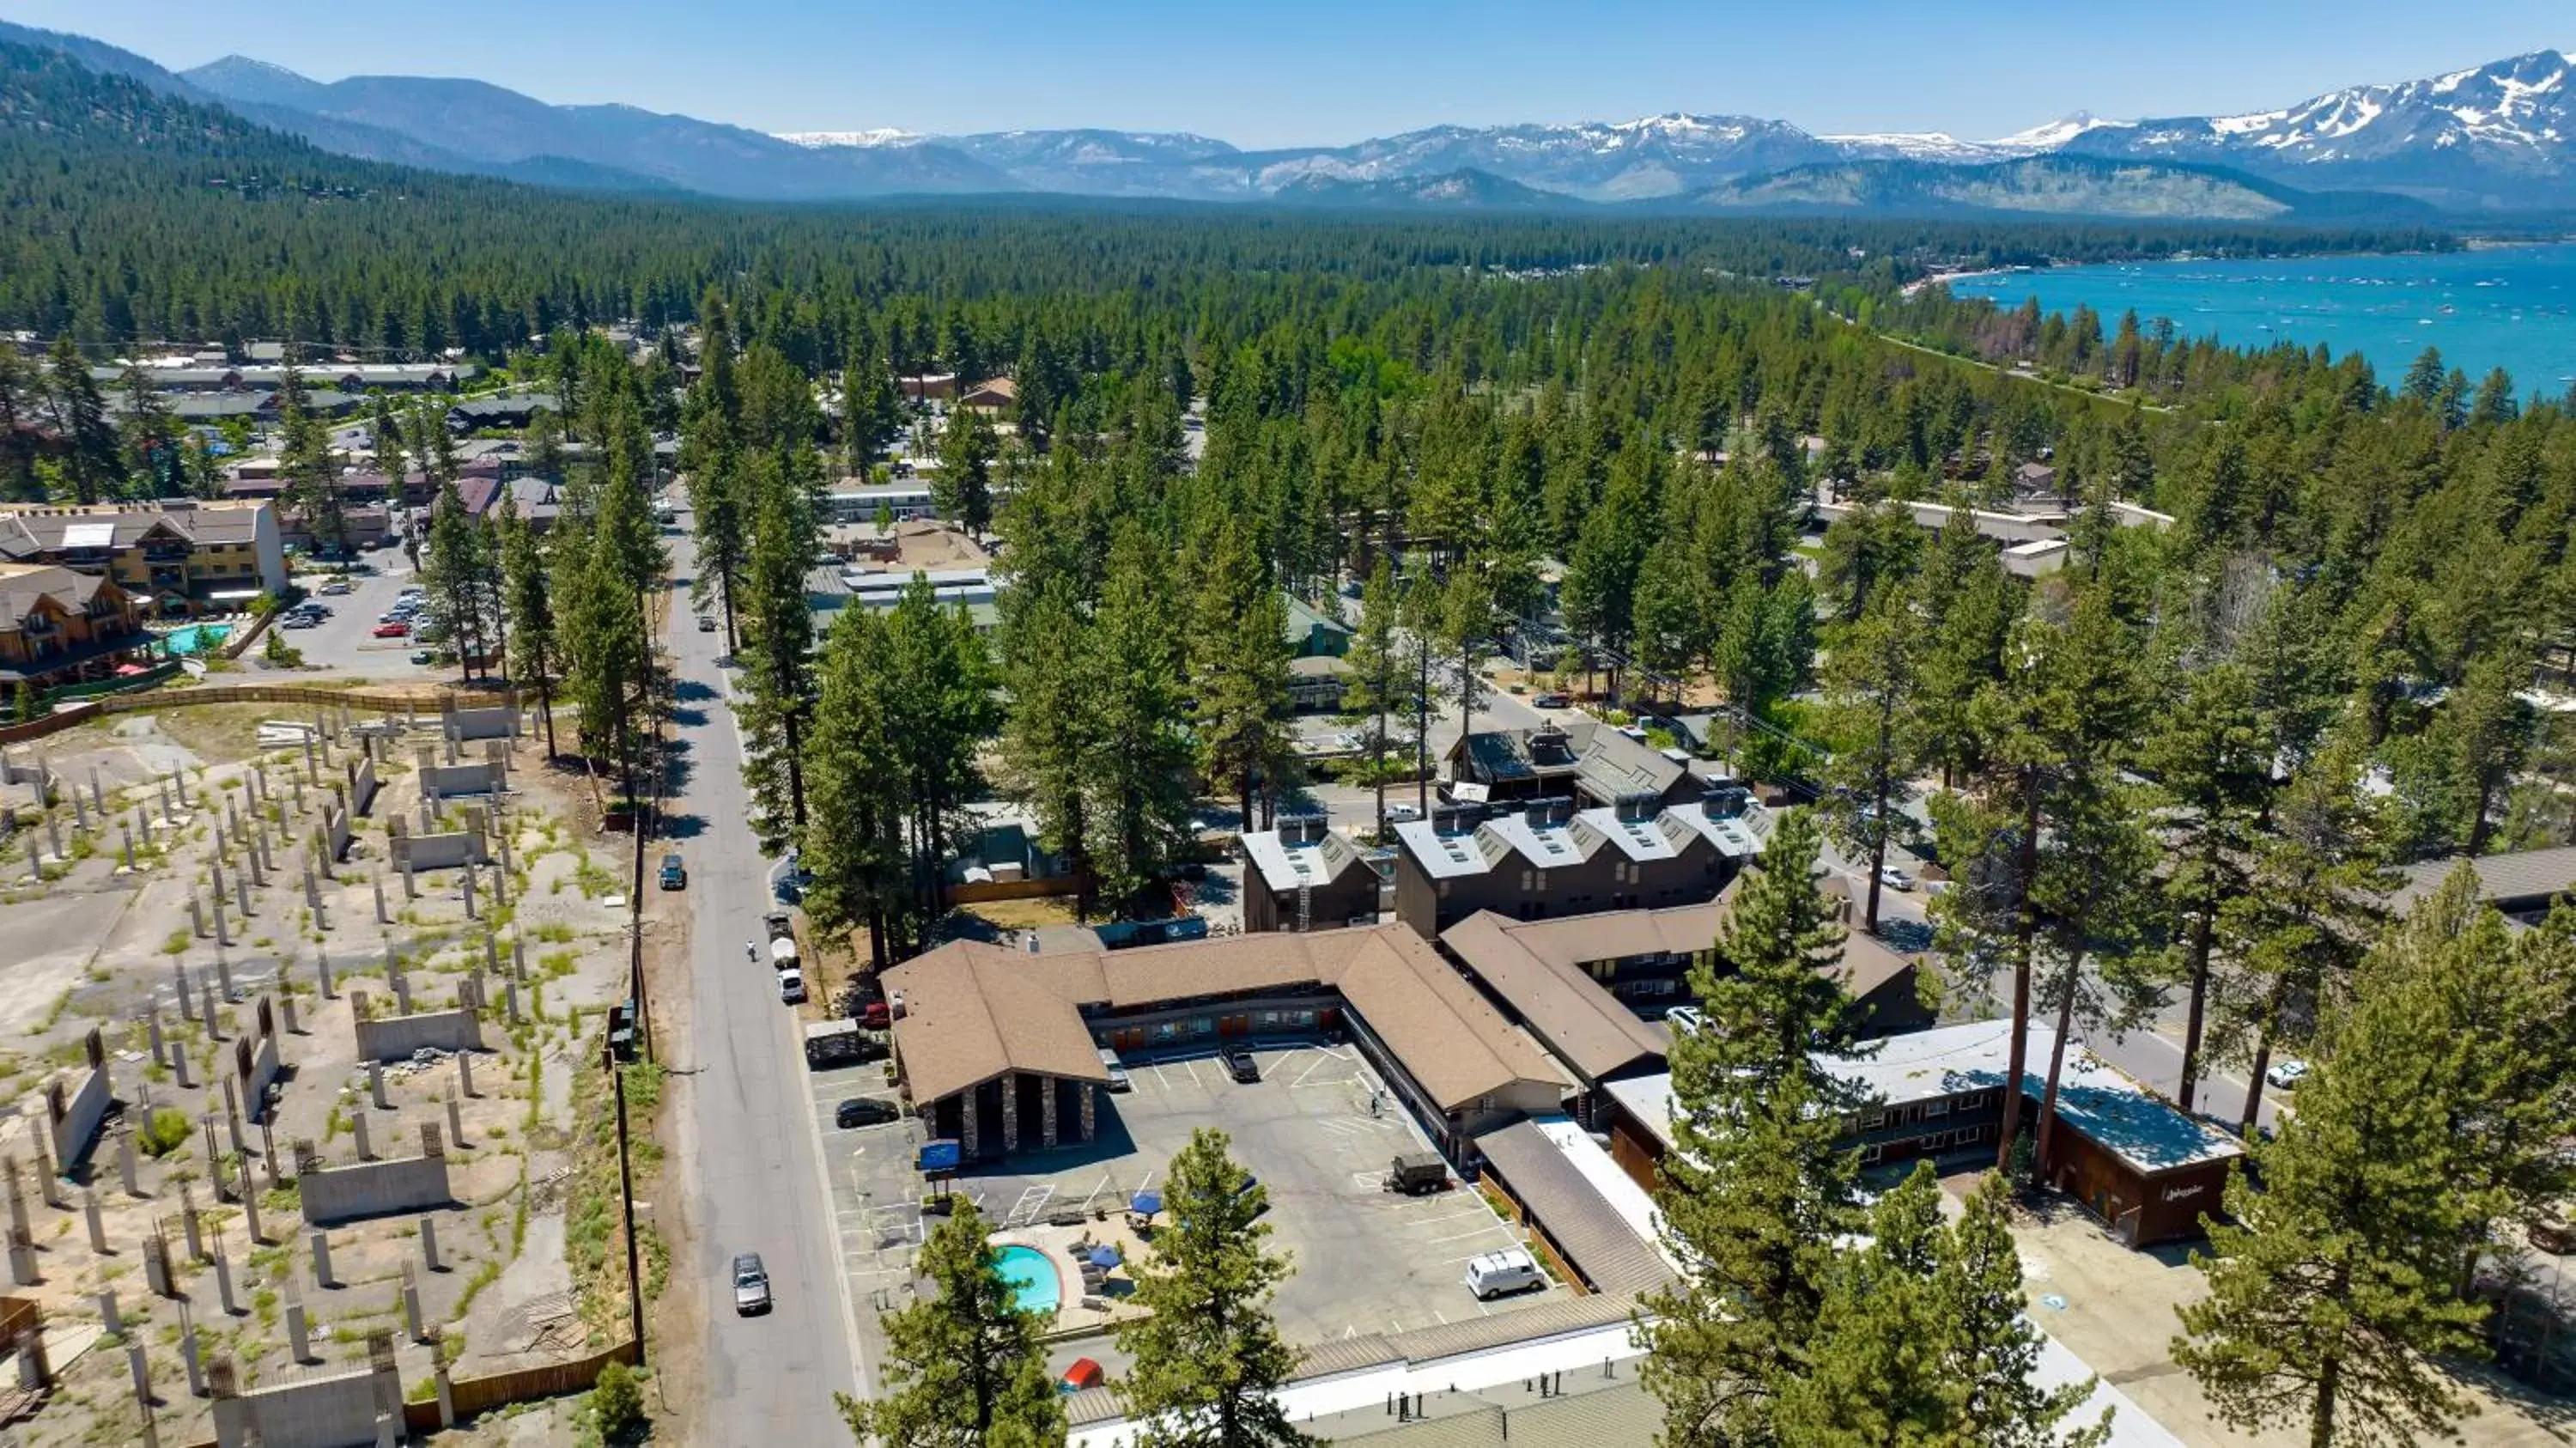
[
  {"x": 346, "y": 642},
  {"x": 747, "y": 1160}
]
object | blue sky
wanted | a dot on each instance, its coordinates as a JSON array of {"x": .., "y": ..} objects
[{"x": 1330, "y": 71}]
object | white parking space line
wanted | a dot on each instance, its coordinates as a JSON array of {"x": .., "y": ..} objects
[{"x": 1458, "y": 1236}]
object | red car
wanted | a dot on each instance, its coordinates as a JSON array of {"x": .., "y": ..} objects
[{"x": 393, "y": 630}]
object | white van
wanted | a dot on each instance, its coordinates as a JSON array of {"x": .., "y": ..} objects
[
  {"x": 1497, "y": 1273},
  {"x": 791, "y": 986}
]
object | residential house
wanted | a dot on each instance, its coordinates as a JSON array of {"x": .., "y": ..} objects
[
  {"x": 1000, "y": 394},
  {"x": 60, "y": 626},
  {"x": 2523, "y": 885},
  {"x": 347, "y": 377},
  {"x": 1533, "y": 859},
  {"x": 510, "y": 412},
  {"x": 930, "y": 387},
  {"x": 1317, "y": 683},
  {"x": 853, "y": 501},
  {"x": 177, "y": 556},
  {"x": 1302, "y": 875},
  {"x": 1597, "y": 761},
  {"x": 1311, "y": 635}
]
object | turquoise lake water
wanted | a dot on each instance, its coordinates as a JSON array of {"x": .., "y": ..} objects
[{"x": 2509, "y": 307}]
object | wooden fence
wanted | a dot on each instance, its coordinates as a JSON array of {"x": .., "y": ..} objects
[
  {"x": 976, "y": 891},
  {"x": 381, "y": 702},
  {"x": 473, "y": 1396}
]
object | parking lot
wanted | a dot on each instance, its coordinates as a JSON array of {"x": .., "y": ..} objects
[
  {"x": 1366, "y": 1259},
  {"x": 346, "y": 640}
]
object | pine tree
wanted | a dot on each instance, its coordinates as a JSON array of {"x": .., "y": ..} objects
[
  {"x": 963, "y": 1364},
  {"x": 463, "y": 579},
  {"x": 1138, "y": 774},
  {"x": 1757, "y": 1188},
  {"x": 92, "y": 461},
  {"x": 1870, "y": 684},
  {"x": 2330, "y": 1290},
  {"x": 1239, "y": 671},
  {"x": 1208, "y": 1359},
  {"x": 1381, "y": 694},
  {"x": 1049, "y": 728},
  {"x": 305, "y": 465},
  {"x": 536, "y": 654},
  {"x": 149, "y": 433},
  {"x": 777, "y": 651},
  {"x": 852, "y": 849},
  {"x": 2214, "y": 779},
  {"x": 963, "y": 486}
]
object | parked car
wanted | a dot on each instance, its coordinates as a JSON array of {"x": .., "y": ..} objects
[
  {"x": 876, "y": 1016},
  {"x": 423, "y": 656},
  {"x": 791, "y": 986},
  {"x": 1240, "y": 1065},
  {"x": 338, "y": 585},
  {"x": 706, "y": 623},
  {"x": 1894, "y": 878},
  {"x": 299, "y": 621},
  {"x": 1493, "y": 1274},
  {"x": 1397, "y": 814},
  {"x": 1117, "y": 1073},
  {"x": 1551, "y": 701},
  {"x": 393, "y": 629},
  {"x": 2287, "y": 1073},
  {"x": 864, "y": 1111},
  {"x": 675, "y": 876},
  {"x": 750, "y": 1285}
]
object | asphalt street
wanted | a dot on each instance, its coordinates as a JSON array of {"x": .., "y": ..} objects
[{"x": 747, "y": 1159}]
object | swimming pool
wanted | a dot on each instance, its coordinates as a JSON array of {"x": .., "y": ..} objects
[
  {"x": 195, "y": 638},
  {"x": 1035, "y": 1287}
]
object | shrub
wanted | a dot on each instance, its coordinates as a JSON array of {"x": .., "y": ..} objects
[
  {"x": 618, "y": 1403},
  {"x": 162, "y": 1132}
]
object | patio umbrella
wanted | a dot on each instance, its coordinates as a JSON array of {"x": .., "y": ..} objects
[
  {"x": 1104, "y": 1258},
  {"x": 1146, "y": 1203}
]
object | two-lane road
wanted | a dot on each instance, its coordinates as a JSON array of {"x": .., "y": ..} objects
[{"x": 748, "y": 1161}]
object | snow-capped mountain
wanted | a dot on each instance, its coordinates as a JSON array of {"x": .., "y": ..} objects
[
  {"x": 2055, "y": 134},
  {"x": 2498, "y": 135},
  {"x": 1922, "y": 146},
  {"x": 861, "y": 140}
]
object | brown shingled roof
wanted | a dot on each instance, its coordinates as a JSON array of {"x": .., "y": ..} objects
[
  {"x": 970, "y": 1014},
  {"x": 1596, "y": 1034}
]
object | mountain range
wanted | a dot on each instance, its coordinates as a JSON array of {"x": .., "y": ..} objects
[{"x": 2498, "y": 138}]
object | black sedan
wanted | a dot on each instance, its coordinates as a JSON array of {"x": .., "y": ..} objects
[{"x": 860, "y": 1111}]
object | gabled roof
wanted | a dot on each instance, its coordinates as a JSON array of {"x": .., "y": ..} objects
[
  {"x": 1285, "y": 863},
  {"x": 26, "y": 588},
  {"x": 972, "y": 1011},
  {"x": 1565, "y": 1008}
]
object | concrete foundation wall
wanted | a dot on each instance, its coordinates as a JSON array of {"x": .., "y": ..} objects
[
  {"x": 373, "y": 1189},
  {"x": 84, "y": 1106},
  {"x": 440, "y": 852},
  {"x": 499, "y": 722},
  {"x": 335, "y": 1411},
  {"x": 257, "y": 1063},
  {"x": 447, "y": 781},
  {"x": 394, "y": 1038},
  {"x": 362, "y": 786}
]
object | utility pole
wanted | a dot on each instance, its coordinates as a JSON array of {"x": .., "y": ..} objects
[{"x": 626, "y": 1195}]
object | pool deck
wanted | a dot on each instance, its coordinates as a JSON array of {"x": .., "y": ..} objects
[{"x": 1076, "y": 1314}]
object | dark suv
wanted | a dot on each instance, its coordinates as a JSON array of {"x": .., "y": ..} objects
[{"x": 1240, "y": 1065}]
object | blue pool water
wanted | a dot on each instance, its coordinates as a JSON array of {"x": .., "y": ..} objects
[
  {"x": 195, "y": 638},
  {"x": 1034, "y": 1284},
  {"x": 2512, "y": 307}
]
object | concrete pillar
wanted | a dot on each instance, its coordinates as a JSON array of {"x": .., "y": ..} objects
[
  {"x": 1046, "y": 1115},
  {"x": 97, "y": 1224},
  {"x": 80, "y": 813},
  {"x": 109, "y": 1317},
  {"x": 224, "y": 975},
  {"x": 156, "y": 1263},
  {"x": 1090, "y": 1102},
  {"x": 152, "y": 1029},
  {"x": 322, "y": 968},
  {"x": 49, "y": 1176},
  {"x": 223, "y": 932},
  {"x": 297, "y": 1335},
  {"x": 34, "y": 1373},
  {"x": 470, "y": 913},
  {"x": 97, "y": 795},
  {"x": 1010, "y": 1111},
  {"x": 376, "y": 1085},
  {"x": 139, "y": 1368},
  {"x": 165, "y": 799},
  {"x": 519, "y": 959},
  {"x": 188, "y": 1352},
  {"x": 233, "y": 1116},
  {"x": 125, "y": 1163},
  {"x": 322, "y": 1260},
  {"x": 465, "y": 1072},
  {"x": 455, "y": 1121},
  {"x": 446, "y": 1392},
  {"x": 125, "y": 833},
  {"x": 179, "y": 1064},
  {"x": 429, "y": 1243},
  {"x": 492, "y": 952},
  {"x": 54, "y": 834},
  {"x": 17, "y": 1200},
  {"x": 22, "y": 1259},
  {"x": 143, "y": 823},
  {"x": 411, "y": 885},
  {"x": 312, "y": 887},
  {"x": 410, "y": 1304},
  {"x": 389, "y": 1430},
  {"x": 401, "y": 982},
  {"x": 250, "y": 1205},
  {"x": 224, "y": 1281},
  {"x": 287, "y": 1004},
  {"x": 241, "y": 893},
  {"x": 196, "y": 925},
  {"x": 188, "y": 1224},
  {"x": 358, "y": 1124},
  {"x": 376, "y": 878},
  {"x": 510, "y": 999},
  {"x": 214, "y": 1022}
]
